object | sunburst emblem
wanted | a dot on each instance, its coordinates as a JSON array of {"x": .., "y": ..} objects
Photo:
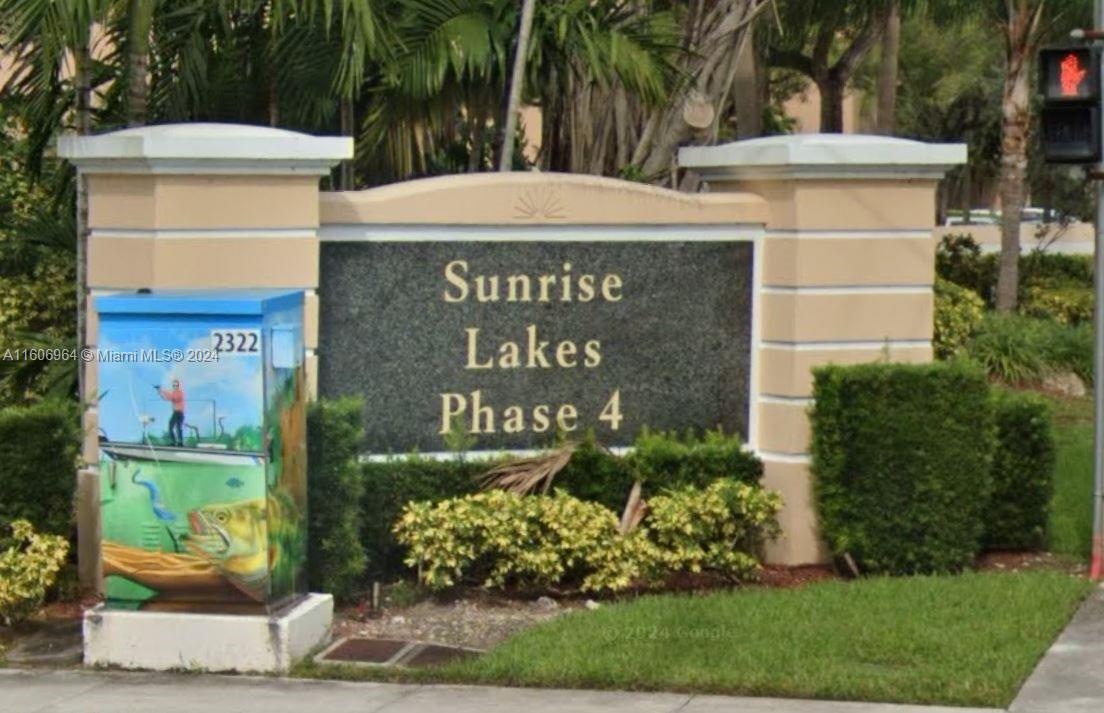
[{"x": 539, "y": 204}]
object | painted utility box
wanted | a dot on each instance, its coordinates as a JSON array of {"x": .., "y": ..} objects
[{"x": 202, "y": 413}]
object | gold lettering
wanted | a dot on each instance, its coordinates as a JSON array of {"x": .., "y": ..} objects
[
  {"x": 593, "y": 351},
  {"x": 586, "y": 288},
  {"x": 479, "y": 412},
  {"x": 456, "y": 280},
  {"x": 458, "y": 405},
  {"x": 473, "y": 351},
  {"x": 540, "y": 419},
  {"x": 509, "y": 355},
  {"x": 565, "y": 417},
  {"x": 514, "y": 420},
  {"x": 565, "y": 354},
  {"x": 512, "y": 282},
  {"x": 610, "y": 283},
  {"x": 536, "y": 349},
  {"x": 545, "y": 281},
  {"x": 486, "y": 288}
]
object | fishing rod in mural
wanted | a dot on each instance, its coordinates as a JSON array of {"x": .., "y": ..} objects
[{"x": 203, "y": 450}]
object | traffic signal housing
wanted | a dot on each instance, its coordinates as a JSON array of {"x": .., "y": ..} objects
[{"x": 1069, "y": 80}]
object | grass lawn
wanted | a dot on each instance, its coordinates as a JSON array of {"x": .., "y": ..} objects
[
  {"x": 1071, "y": 509},
  {"x": 965, "y": 640}
]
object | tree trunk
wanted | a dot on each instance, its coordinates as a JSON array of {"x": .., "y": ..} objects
[
  {"x": 746, "y": 91},
  {"x": 140, "y": 20},
  {"x": 1015, "y": 125},
  {"x": 517, "y": 79},
  {"x": 887, "y": 71},
  {"x": 831, "y": 103}
]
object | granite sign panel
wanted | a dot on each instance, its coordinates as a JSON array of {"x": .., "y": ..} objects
[{"x": 512, "y": 342}]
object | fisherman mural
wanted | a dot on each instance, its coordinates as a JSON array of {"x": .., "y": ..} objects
[{"x": 205, "y": 509}]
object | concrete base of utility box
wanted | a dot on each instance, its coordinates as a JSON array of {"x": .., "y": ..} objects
[{"x": 162, "y": 641}]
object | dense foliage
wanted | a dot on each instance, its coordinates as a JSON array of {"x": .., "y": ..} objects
[
  {"x": 28, "y": 567},
  {"x": 500, "y": 539},
  {"x": 336, "y": 560},
  {"x": 1024, "y": 350},
  {"x": 1023, "y": 472},
  {"x": 901, "y": 457},
  {"x": 958, "y": 314},
  {"x": 38, "y": 449},
  {"x": 662, "y": 461}
]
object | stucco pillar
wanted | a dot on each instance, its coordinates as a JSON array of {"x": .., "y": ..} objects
[
  {"x": 847, "y": 273},
  {"x": 184, "y": 206}
]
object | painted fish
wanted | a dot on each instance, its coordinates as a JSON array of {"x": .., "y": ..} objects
[
  {"x": 235, "y": 482},
  {"x": 234, "y": 538},
  {"x": 155, "y": 497}
]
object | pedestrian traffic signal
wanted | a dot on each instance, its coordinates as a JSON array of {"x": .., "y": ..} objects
[{"x": 1069, "y": 80}]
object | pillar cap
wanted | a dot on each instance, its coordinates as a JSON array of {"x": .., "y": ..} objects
[
  {"x": 822, "y": 156},
  {"x": 205, "y": 149}
]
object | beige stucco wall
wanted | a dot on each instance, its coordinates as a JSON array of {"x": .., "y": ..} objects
[
  {"x": 848, "y": 264},
  {"x": 1074, "y": 239}
]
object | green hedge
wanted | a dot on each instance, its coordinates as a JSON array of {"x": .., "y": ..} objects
[
  {"x": 390, "y": 485},
  {"x": 662, "y": 461},
  {"x": 336, "y": 561},
  {"x": 901, "y": 458},
  {"x": 39, "y": 445},
  {"x": 1023, "y": 472}
]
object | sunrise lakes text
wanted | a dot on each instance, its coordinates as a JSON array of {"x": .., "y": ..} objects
[{"x": 528, "y": 351}]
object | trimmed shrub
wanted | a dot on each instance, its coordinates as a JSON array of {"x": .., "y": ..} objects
[
  {"x": 719, "y": 528},
  {"x": 901, "y": 457},
  {"x": 661, "y": 460},
  {"x": 596, "y": 475},
  {"x": 501, "y": 539},
  {"x": 28, "y": 567},
  {"x": 390, "y": 485},
  {"x": 39, "y": 445},
  {"x": 1022, "y": 473},
  {"x": 667, "y": 460},
  {"x": 958, "y": 314},
  {"x": 337, "y": 559},
  {"x": 1064, "y": 303}
]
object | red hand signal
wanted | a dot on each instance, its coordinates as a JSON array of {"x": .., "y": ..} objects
[{"x": 1071, "y": 75}]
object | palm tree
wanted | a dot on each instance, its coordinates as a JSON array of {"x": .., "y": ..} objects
[{"x": 517, "y": 78}]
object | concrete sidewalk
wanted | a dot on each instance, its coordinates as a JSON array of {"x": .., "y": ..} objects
[
  {"x": 1070, "y": 678},
  {"x": 40, "y": 691}
]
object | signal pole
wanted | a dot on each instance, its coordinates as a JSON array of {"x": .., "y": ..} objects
[{"x": 1096, "y": 568}]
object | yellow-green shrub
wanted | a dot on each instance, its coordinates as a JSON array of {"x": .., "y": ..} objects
[
  {"x": 719, "y": 528},
  {"x": 958, "y": 314},
  {"x": 27, "y": 569},
  {"x": 1065, "y": 303},
  {"x": 526, "y": 541},
  {"x": 538, "y": 541}
]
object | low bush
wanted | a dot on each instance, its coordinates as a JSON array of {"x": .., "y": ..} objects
[
  {"x": 596, "y": 475},
  {"x": 719, "y": 528},
  {"x": 500, "y": 539},
  {"x": 390, "y": 485},
  {"x": 901, "y": 457},
  {"x": 958, "y": 314},
  {"x": 661, "y": 460},
  {"x": 337, "y": 558},
  {"x": 1069, "y": 349},
  {"x": 1062, "y": 302},
  {"x": 1011, "y": 348},
  {"x": 1019, "y": 350},
  {"x": 959, "y": 260},
  {"x": 668, "y": 460},
  {"x": 1022, "y": 472},
  {"x": 28, "y": 567},
  {"x": 39, "y": 445}
]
